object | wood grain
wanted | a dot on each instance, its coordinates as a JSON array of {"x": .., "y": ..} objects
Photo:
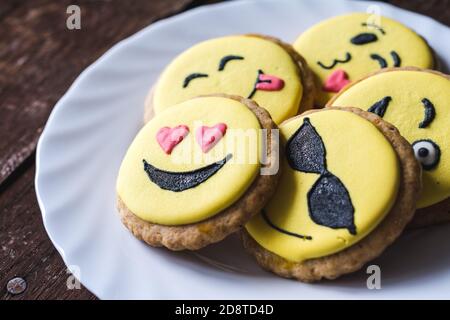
[
  {"x": 7, "y": 6},
  {"x": 25, "y": 249},
  {"x": 437, "y": 9},
  {"x": 39, "y": 59}
]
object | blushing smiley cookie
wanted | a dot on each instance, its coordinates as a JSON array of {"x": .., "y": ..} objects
[
  {"x": 187, "y": 180},
  {"x": 256, "y": 67},
  {"x": 347, "y": 191},
  {"x": 345, "y": 48},
  {"x": 417, "y": 102}
]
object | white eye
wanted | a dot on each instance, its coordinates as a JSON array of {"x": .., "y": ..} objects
[{"x": 427, "y": 152}]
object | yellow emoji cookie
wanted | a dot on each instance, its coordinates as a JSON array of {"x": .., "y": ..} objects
[
  {"x": 345, "y": 48},
  {"x": 417, "y": 102},
  {"x": 340, "y": 179},
  {"x": 348, "y": 189},
  {"x": 167, "y": 176},
  {"x": 192, "y": 174},
  {"x": 254, "y": 67}
]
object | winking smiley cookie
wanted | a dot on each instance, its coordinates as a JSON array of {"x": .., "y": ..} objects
[
  {"x": 417, "y": 102},
  {"x": 256, "y": 67}
]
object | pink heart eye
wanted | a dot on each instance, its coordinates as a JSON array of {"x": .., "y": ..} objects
[
  {"x": 208, "y": 137},
  {"x": 168, "y": 137}
]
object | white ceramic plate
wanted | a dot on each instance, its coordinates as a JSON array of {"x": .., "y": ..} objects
[{"x": 90, "y": 128}]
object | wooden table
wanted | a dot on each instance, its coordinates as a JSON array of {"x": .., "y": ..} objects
[{"x": 39, "y": 59}]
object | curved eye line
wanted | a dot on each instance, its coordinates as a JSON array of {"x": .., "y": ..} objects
[
  {"x": 379, "y": 108},
  {"x": 226, "y": 59},
  {"x": 395, "y": 58},
  {"x": 430, "y": 113},
  {"x": 193, "y": 76},
  {"x": 375, "y": 26},
  {"x": 381, "y": 61}
]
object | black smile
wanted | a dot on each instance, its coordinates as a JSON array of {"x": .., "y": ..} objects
[
  {"x": 180, "y": 181},
  {"x": 289, "y": 233},
  {"x": 347, "y": 58},
  {"x": 382, "y": 61}
]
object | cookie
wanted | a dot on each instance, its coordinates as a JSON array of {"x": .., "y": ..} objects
[
  {"x": 347, "y": 191},
  {"x": 192, "y": 175},
  {"x": 345, "y": 48},
  {"x": 417, "y": 102},
  {"x": 256, "y": 67}
]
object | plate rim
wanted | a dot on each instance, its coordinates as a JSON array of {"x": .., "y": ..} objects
[{"x": 121, "y": 45}]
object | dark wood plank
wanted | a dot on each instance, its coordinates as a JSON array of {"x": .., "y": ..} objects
[
  {"x": 25, "y": 250},
  {"x": 437, "y": 9},
  {"x": 7, "y": 6},
  {"x": 40, "y": 58}
]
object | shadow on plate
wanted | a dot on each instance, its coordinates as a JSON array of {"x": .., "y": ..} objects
[
  {"x": 441, "y": 64},
  {"x": 418, "y": 254}
]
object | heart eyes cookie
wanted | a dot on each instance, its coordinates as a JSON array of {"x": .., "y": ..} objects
[
  {"x": 192, "y": 174},
  {"x": 347, "y": 191}
]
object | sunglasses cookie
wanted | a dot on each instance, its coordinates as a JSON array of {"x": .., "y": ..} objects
[
  {"x": 192, "y": 174},
  {"x": 347, "y": 191},
  {"x": 260, "y": 68},
  {"x": 417, "y": 102},
  {"x": 345, "y": 48}
]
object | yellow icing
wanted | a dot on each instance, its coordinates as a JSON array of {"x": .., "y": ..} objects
[
  {"x": 361, "y": 157},
  {"x": 406, "y": 111},
  {"x": 154, "y": 204},
  {"x": 330, "y": 40},
  {"x": 238, "y": 77}
]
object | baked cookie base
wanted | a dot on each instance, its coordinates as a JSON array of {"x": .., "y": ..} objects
[
  {"x": 198, "y": 235},
  {"x": 304, "y": 73},
  {"x": 353, "y": 258}
]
